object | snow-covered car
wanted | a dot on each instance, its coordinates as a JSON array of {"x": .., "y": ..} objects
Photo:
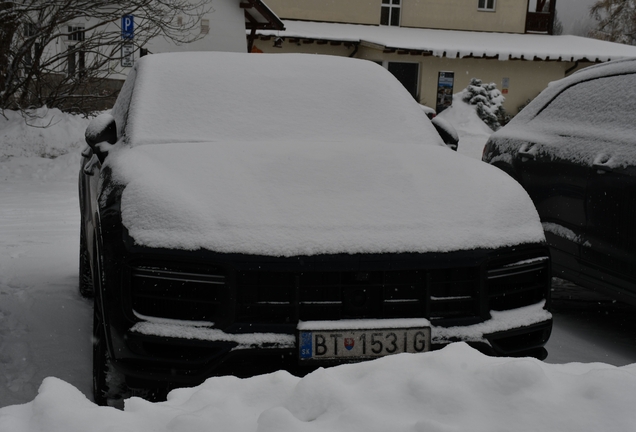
[
  {"x": 246, "y": 213},
  {"x": 574, "y": 151}
]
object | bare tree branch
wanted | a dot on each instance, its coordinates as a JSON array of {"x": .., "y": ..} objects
[
  {"x": 62, "y": 53},
  {"x": 616, "y": 21}
]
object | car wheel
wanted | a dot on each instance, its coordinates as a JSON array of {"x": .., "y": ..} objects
[
  {"x": 85, "y": 276},
  {"x": 109, "y": 386}
]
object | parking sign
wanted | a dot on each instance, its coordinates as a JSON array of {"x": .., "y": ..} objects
[
  {"x": 127, "y": 56},
  {"x": 127, "y": 27}
]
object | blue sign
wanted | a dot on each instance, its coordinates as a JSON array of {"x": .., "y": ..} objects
[
  {"x": 306, "y": 348},
  {"x": 127, "y": 27}
]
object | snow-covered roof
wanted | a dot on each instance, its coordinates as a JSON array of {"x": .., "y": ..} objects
[{"x": 459, "y": 44}]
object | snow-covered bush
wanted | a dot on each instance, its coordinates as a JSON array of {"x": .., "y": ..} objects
[{"x": 488, "y": 102}]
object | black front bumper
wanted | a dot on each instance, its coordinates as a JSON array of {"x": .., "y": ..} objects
[{"x": 170, "y": 362}]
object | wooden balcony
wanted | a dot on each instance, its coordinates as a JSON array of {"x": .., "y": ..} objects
[{"x": 539, "y": 22}]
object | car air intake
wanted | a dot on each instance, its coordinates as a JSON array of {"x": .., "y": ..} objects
[
  {"x": 518, "y": 284},
  {"x": 176, "y": 294}
]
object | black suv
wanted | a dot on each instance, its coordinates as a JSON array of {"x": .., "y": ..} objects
[
  {"x": 574, "y": 151},
  {"x": 248, "y": 213}
]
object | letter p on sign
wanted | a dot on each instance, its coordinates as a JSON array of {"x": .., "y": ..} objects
[{"x": 127, "y": 27}]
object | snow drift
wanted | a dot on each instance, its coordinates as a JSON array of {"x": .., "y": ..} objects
[{"x": 455, "y": 389}]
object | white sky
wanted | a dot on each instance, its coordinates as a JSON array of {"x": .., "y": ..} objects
[{"x": 571, "y": 11}]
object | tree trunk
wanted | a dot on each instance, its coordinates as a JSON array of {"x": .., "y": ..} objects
[{"x": 8, "y": 27}]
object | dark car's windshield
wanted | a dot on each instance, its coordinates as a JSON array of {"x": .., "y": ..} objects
[
  {"x": 608, "y": 103},
  {"x": 219, "y": 97}
]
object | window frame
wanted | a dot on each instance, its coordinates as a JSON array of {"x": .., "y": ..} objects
[
  {"x": 482, "y": 5},
  {"x": 205, "y": 26},
  {"x": 76, "y": 33},
  {"x": 393, "y": 7},
  {"x": 75, "y": 62}
]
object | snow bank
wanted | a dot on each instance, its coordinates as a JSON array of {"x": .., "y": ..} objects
[
  {"x": 473, "y": 132},
  {"x": 455, "y": 389},
  {"x": 47, "y": 134},
  {"x": 44, "y": 132}
]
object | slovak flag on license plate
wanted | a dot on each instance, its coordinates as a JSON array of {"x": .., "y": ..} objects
[{"x": 349, "y": 343}]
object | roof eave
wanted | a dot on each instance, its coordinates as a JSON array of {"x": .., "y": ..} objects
[{"x": 258, "y": 16}]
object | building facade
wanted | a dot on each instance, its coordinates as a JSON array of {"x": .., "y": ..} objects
[{"x": 431, "y": 44}]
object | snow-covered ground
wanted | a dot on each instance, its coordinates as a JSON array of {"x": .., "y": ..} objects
[{"x": 45, "y": 340}]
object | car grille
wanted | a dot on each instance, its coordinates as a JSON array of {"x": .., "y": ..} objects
[
  {"x": 519, "y": 284},
  {"x": 167, "y": 293},
  {"x": 288, "y": 296},
  {"x": 215, "y": 294}
]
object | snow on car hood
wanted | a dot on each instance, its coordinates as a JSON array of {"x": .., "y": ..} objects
[{"x": 305, "y": 198}]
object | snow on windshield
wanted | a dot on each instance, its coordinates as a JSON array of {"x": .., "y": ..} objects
[
  {"x": 585, "y": 121},
  {"x": 186, "y": 97}
]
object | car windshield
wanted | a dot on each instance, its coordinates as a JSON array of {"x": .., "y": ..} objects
[
  {"x": 599, "y": 106},
  {"x": 208, "y": 97}
]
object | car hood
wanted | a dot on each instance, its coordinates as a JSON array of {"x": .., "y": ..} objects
[{"x": 291, "y": 198}]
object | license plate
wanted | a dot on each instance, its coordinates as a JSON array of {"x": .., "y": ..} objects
[{"x": 353, "y": 344}]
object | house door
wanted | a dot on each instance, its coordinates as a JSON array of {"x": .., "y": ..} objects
[{"x": 408, "y": 74}]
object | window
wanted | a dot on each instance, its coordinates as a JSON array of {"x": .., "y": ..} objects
[
  {"x": 407, "y": 73},
  {"x": 486, "y": 5},
  {"x": 76, "y": 33},
  {"x": 75, "y": 63},
  {"x": 32, "y": 52},
  {"x": 30, "y": 30},
  {"x": 205, "y": 26},
  {"x": 390, "y": 15}
]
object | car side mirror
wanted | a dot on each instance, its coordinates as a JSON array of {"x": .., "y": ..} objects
[
  {"x": 447, "y": 132},
  {"x": 101, "y": 129}
]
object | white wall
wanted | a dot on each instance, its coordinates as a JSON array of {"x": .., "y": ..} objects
[{"x": 227, "y": 31}]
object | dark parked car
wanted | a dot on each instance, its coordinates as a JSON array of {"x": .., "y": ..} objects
[
  {"x": 574, "y": 151},
  {"x": 249, "y": 213}
]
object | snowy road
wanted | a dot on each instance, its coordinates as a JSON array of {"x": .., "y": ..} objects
[
  {"x": 590, "y": 327},
  {"x": 45, "y": 326}
]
